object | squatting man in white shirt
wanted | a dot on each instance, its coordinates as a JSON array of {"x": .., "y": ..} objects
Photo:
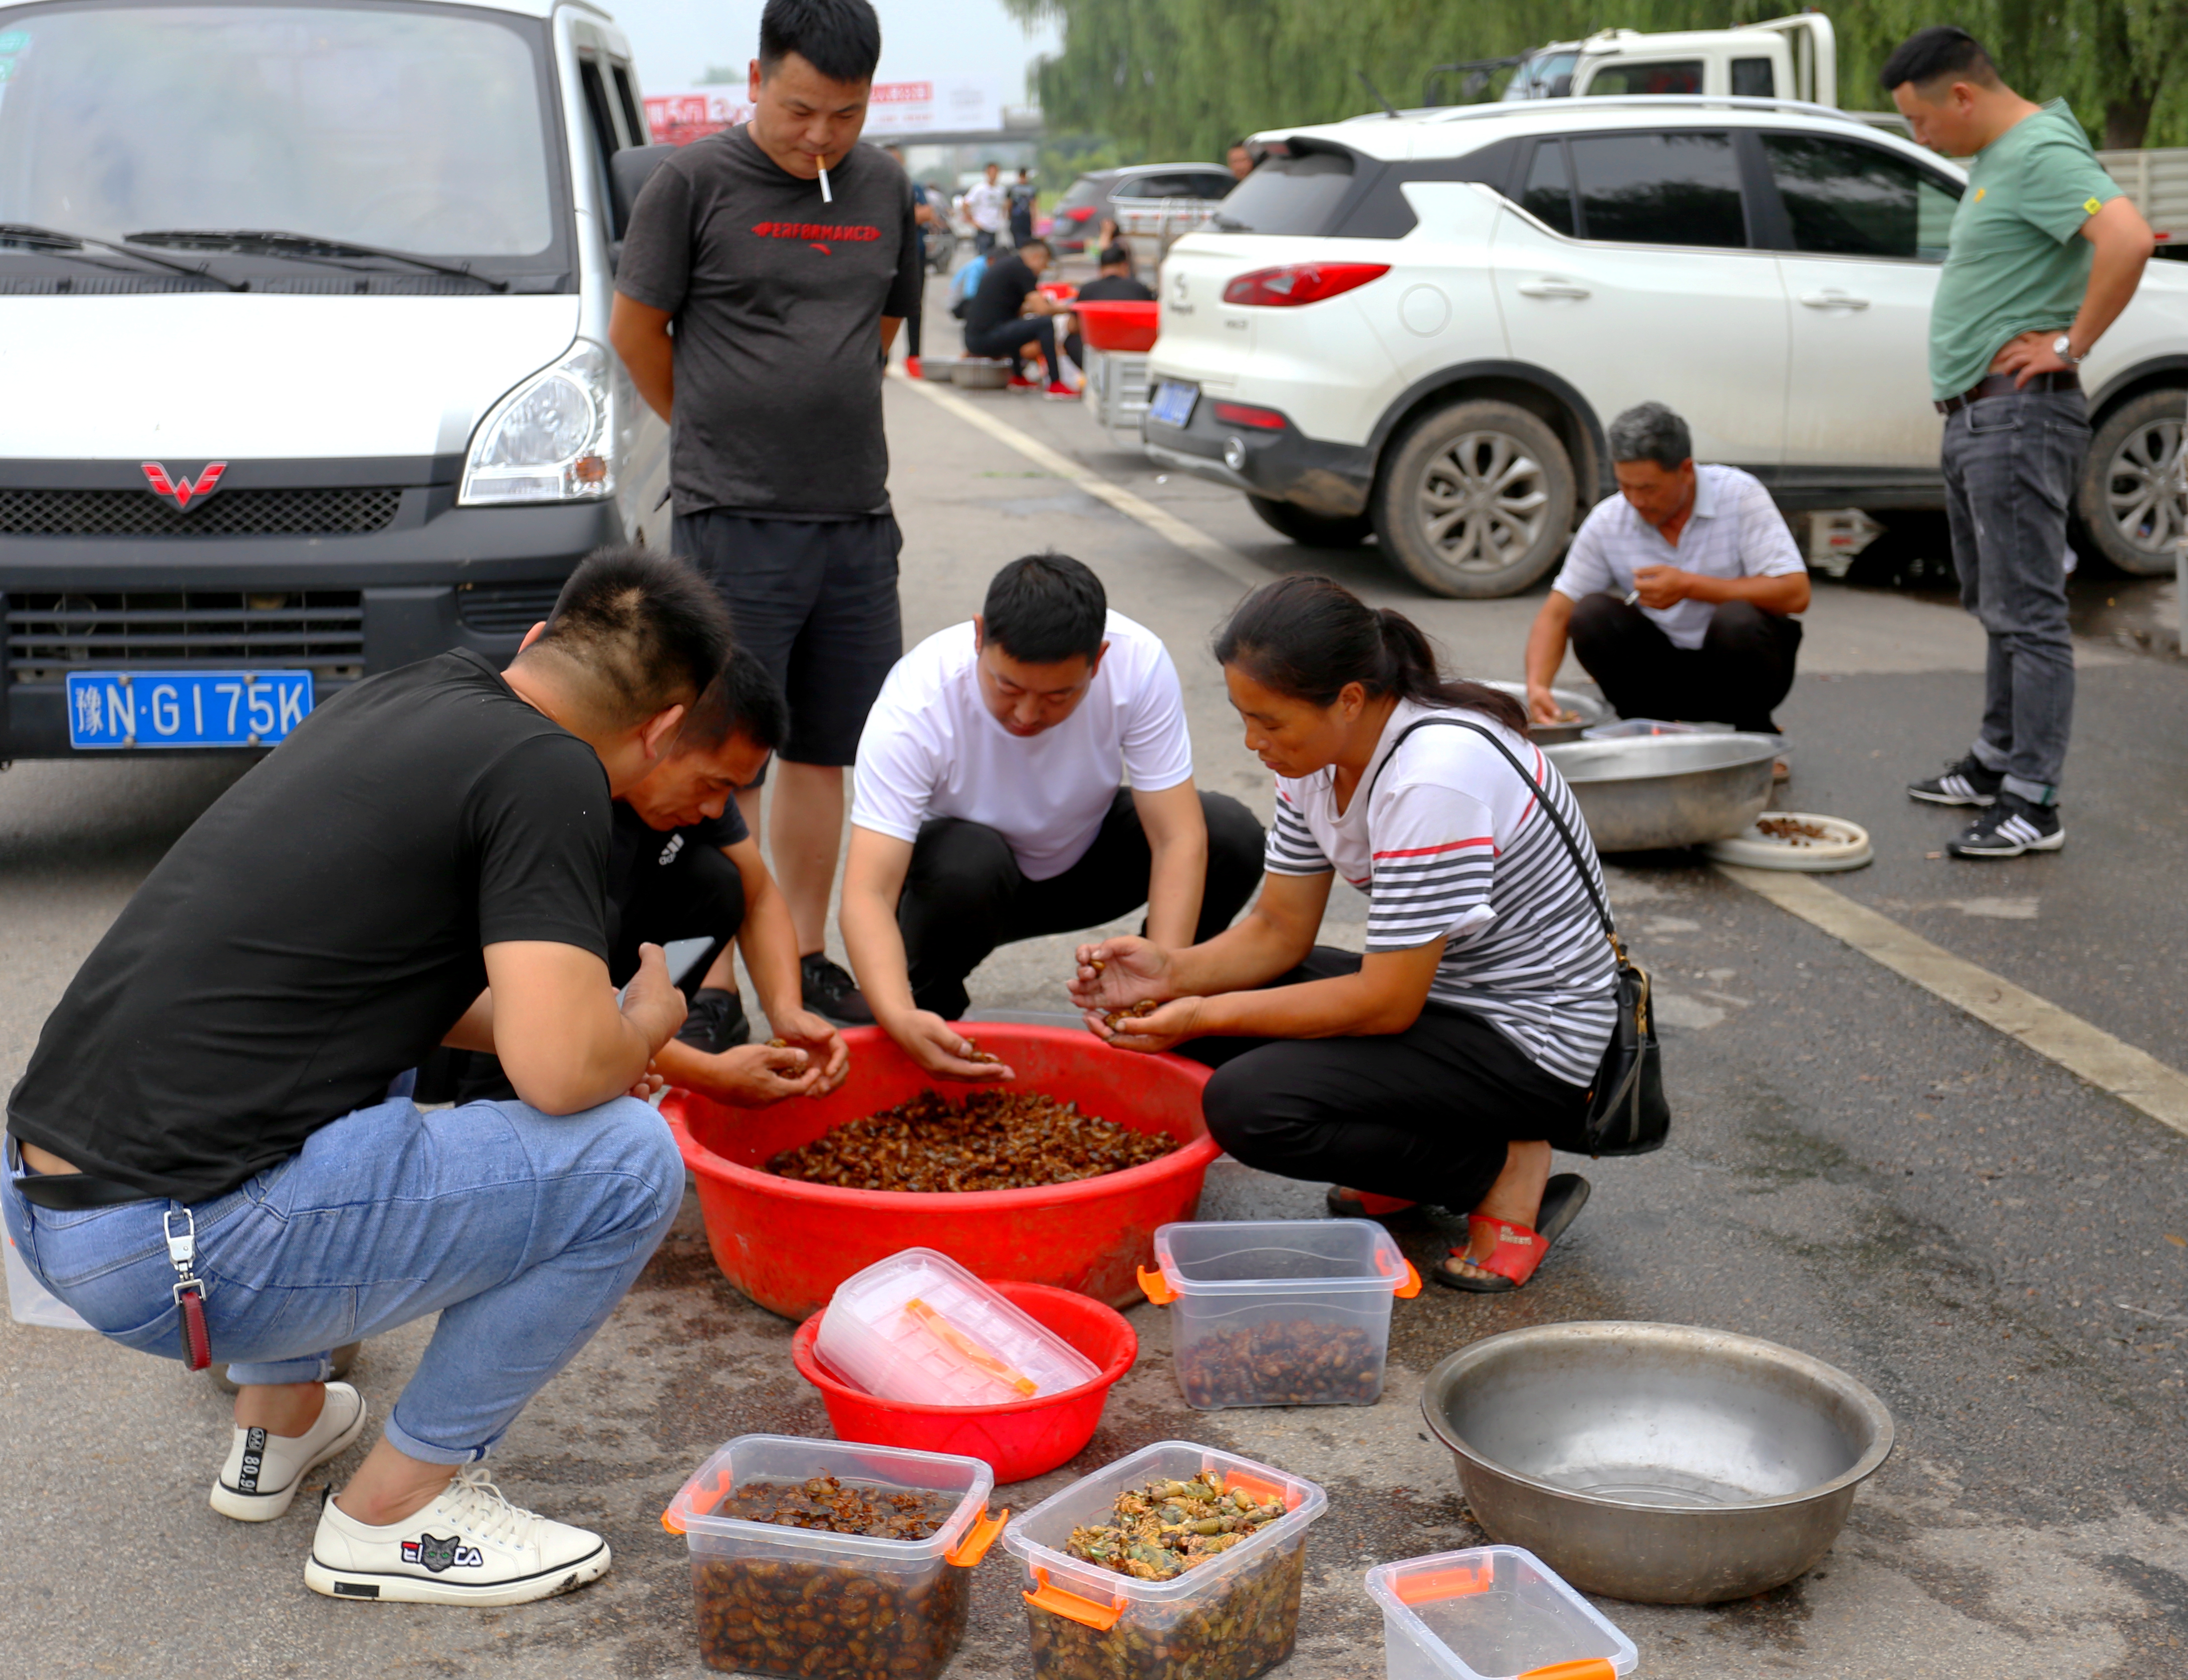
[
  {"x": 991, "y": 803},
  {"x": 1679, "y": 593}
]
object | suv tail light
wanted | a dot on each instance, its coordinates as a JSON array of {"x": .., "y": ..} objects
[
  {"x": 1297, "y": 282},
  {"x": 1245, "y": 413},
  {"x": 1085, "y": 213}
]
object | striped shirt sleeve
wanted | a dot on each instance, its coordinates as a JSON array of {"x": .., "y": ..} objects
[
  {"x": 1435, "y": 860},
  {"x": 1292, "y": 849}
]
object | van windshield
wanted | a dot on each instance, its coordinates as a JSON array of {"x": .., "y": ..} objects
[{"x": 422, "y": 130}]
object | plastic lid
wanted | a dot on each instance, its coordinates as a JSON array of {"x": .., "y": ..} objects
[
  {"x": 918, "y": 1326},
  {"x": 1254, "y": 1256},
  {"x": 1500, "y": 1613},
  {"x": 962, "y": 1539}
]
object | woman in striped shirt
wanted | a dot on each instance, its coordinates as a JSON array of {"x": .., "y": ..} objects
[{"x": 1441, "y": 1066}]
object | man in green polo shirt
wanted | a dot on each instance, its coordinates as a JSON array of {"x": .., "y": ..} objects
[{"x": 2045, "y": 254}]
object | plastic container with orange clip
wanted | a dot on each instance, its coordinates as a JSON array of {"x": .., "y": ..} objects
[
  {"x": 1492, "y": 1613},
  {"x": 1228, "y": 1618},
  {"x": 775, "y": 1599},
  {"x": 1279, "y": 1312}
]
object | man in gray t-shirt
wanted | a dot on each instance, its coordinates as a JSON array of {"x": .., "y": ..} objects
[{"x": 785, "y": 254}]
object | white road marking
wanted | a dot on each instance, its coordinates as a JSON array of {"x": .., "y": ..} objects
[
  {"x": 1166, "y": 525},
  {"x": 2134, "y": 1076}
]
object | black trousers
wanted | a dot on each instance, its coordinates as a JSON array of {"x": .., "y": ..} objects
[
  {"x": 1743, "y": 668},
  {"x": 697, "y": 894},
  {"x": 1425, "y": 1113},
  {"x": 964, "y": 893},
  {"x": 1009, "y": 338}
]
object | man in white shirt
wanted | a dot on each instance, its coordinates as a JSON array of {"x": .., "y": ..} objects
[
  {"x": 1679, "y": 593},
  {"x": 987, "y": 206},
  {"x": 991, "y": 803}
]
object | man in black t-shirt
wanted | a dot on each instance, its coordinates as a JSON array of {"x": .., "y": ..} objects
[
  {"x": 1114, "y": 283},
  {"x": 786, "y": 254},
  {"x": 212, "y": 1144},
  {"x": 1011, "y": 316}
]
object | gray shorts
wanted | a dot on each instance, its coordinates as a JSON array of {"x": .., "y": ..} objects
[{"x": 816, "y": 600}]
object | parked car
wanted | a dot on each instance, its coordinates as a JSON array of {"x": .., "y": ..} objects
[
  {"x": 1418, "y": 327},
  {"x": 1113, "y": 195},
  {"x": 313, "y": 300}
]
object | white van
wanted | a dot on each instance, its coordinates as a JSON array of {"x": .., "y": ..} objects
[{"x": 303, "y": 333}]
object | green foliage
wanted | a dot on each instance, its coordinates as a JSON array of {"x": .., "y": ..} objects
[{"x": 1182, "y": 78}]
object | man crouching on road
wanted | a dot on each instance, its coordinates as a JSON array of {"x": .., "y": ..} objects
[
  {"x": 682, "y": 865},
  {"x": 1679, "y": 593},
  {"x": 421, "y": 861}
]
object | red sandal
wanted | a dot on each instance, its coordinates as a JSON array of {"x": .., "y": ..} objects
[
  {"x": 1344, "y": 1204},
  {"x": 1515, "y": 1250}
]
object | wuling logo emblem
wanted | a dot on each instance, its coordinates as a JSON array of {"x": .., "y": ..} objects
[{"x": 181, "y": 491}]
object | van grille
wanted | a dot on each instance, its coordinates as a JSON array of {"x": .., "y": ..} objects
[
  {"x": 49, "y": 636},
  {"x": 226, "y": 513},
  {"x": 505, "y": 609}
]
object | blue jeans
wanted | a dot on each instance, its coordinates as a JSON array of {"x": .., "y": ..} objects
[
  {"x": 2011, "y": 465},
  {"x": 521, "y": 1229}
]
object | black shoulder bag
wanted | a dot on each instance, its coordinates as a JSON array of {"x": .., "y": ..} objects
[{"x": 1627, "y": 1113}]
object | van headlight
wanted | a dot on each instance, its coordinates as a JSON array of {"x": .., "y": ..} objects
[{"x": 549, "y": 440}]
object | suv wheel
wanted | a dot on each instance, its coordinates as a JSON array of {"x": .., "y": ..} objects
[
  {"x": 2134, "y": 495},
  {"x": 1475, "y": 501},
  {"x": 1315, "y": 530}
]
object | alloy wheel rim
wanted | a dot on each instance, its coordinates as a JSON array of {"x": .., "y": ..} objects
[
  {"x": 2146, "y": 486},
  {"x": 1482, "y": 502}
]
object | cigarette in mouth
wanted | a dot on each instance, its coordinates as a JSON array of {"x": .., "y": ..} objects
[{"x": 826, "y": 197}]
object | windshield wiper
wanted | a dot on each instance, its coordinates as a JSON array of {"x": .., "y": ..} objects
[
  {"x": 58, "y": 244},
  {"x": 305, "y": 248}
]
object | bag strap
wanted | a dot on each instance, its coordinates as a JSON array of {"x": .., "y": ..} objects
[{"x": 1542, "y": 795}]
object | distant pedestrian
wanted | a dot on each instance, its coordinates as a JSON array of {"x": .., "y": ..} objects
[
  {"x": 987, "y": 207},
  {"x": 1115, "y": 282},
  {"x": 923, "y": 218},
  {"x": 1011, "y": 316},
  {"x": 2020, "y": 303},
  {"x": 786, "y": 256},
  {"x": 1024, "y": 195},
  {"x": 1239, "y": 160},
  {"x": 1680, "y": 593}
]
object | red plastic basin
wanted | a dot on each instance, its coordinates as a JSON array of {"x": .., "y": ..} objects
[
  {"x": 788, "y": 1245},
  {"x": 1118, "y": 324},
  {"x": 1019, "y": 1438}
]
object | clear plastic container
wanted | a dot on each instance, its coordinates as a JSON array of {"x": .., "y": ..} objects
[
  {"x": 918, "y": 1326},
  {"x": 1279, "y": 1312},
  {"x": 1227, "y": 1619},
  {"x": 1492, "y": 1613},
  {"x": 772, "y": 1600},
  {"x": 30, "y": 1302}
]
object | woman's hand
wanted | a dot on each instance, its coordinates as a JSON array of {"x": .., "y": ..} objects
[
  {"x": 1171, "y": 1024},
  {"x": 1118, "y": 973},
  {"x": 759, "y": 1075},
  {"x": 804, "y": 1030},
  {"x": 650, "y": 1084},
  {"x": 943, "y": 1051}
]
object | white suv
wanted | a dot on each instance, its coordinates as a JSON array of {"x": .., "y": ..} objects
[{"x": 1418, "y": 326}]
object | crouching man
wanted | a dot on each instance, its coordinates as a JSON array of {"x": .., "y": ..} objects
[
  {"x": 207, "y": 1122},
  {"x": 990, "y": 804},
  {"x": 1679, "y": 593}
]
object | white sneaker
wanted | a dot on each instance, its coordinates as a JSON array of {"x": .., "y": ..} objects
[
  {"x": 470, "y": 1545},
  {"x": 264, "y": 1471}
]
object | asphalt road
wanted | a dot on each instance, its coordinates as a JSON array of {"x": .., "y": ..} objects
[{"x": 1857, "y": 1170}]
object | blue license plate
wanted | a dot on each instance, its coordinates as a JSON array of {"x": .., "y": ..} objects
[
  {"x": 1173, "y": 403},
  {"x": 185, "y": 708}
]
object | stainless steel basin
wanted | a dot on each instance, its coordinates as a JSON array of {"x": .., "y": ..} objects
[
  {"x": 1592, "y": 711},
  {"x": 1669, "y": 790},
  {"x": 978, "y": 373},
  {"x": 1657, "y": 1463}
]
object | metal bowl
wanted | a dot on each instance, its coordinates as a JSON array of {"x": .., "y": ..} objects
[
  {"x": 1592, "y": 711},
  {"x": 1669, "y": 790},
  {"x": 1657, "y": 1463},
  {"x": 978, "y": 373},
  {"x": 941, "y": 370}
]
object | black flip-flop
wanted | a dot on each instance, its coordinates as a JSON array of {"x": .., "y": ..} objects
[{"x": 1563, "y": 1197}]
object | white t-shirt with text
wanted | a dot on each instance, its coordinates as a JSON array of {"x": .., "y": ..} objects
[{"x": 932, "y": 748}]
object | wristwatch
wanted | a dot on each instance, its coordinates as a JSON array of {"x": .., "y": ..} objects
[{"x": 2063, "y": 347}]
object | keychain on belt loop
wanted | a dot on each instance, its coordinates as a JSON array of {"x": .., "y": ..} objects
[{"x": 189, "y": 1288}]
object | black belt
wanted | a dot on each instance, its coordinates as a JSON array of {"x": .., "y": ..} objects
[
  {"x": 72, "y": 1193},
  {"x": 2002, "y": 384}
]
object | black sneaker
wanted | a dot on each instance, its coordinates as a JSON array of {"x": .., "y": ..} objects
[
  {"x": 715, "y": 1022},
  {"x": 831, "y": 992},
  {"x": 1966, "y": 783},
  {"x": 2009, "y": 828}
]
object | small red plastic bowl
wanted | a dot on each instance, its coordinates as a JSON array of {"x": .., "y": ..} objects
[
  {"x": 1019, "y": 1438},
  {"x": 1118, "y": 324}
]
